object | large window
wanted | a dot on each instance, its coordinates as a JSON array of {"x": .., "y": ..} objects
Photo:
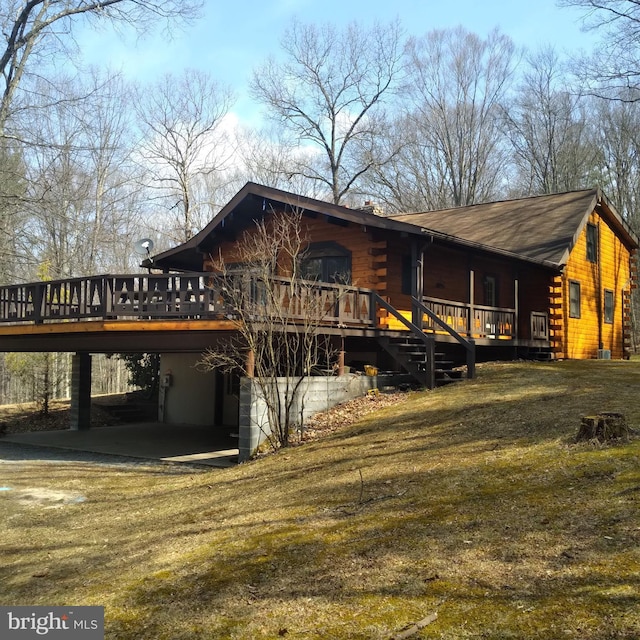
[
  {"x": 327, "y": 262},
  {"x": 608, "y": 306},
  {"x": 574, "y": 299},
  {"x": 592, "y": 243}
]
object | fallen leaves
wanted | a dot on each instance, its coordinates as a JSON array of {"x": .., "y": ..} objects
[{"x": 347, "y": 413}]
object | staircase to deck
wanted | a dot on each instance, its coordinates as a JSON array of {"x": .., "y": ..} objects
[
  {"x": 413, "y": 355},
  {"x": 415, "y": 351}
]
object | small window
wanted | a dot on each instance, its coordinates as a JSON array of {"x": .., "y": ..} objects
[
  {"x": 608, "y": 306},
  {"x": 491, "y": 291},
  {"x": 592, "y": 243},
  {"x": 574, "y": 299},
  {"x": 406, "y": 274}
]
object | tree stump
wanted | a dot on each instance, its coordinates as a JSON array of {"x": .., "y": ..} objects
[{"x": 603, "y": 427}]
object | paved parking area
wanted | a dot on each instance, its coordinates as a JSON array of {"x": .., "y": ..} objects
[{"x": 148, "y": 441}]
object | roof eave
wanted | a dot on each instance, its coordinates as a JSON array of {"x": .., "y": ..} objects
[
  {"x": 288, "y": 199},
  {"x": 478, "y": 246}
]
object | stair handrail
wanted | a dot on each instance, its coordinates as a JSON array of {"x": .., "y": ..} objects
[
  {"x": 469, "y": 345},
  {"x": 429, "y": 341}
]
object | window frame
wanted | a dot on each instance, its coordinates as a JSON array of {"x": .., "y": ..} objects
[
  {"x": 609, "y": 309},
  {"x": 491, "y": 282},
  {"x": 574, "y": 286},
  {"x": 592, "y": 243},
  {"x": 325, "y": 251}
]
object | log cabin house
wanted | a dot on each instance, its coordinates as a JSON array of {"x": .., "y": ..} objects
[{"x": 425, "y": 294}]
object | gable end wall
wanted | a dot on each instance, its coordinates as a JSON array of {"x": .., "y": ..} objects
[
  {"x": 584, "y": 336},
  {"x": 354, "y": 237}
]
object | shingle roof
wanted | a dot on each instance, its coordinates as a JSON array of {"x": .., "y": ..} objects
[{"x": 540, "y": 228}]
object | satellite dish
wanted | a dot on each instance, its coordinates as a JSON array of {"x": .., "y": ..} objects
[{"x": 143, "y": 247}]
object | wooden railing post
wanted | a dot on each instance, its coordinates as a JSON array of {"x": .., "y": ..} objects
[
  {"x": 516, "y": 306},
  {"x": 472, "y": 296},
  {"x": 417, "y": 283},
  {"x": 340, "y": 363},
  {"x": 430, "y": 364},
  {"x": 250, "y": 364},
  {"x": 38, "y": 298},
  {"x": 471, "y": 359}
]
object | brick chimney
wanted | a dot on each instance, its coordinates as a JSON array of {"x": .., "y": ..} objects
[{"x": 372, "y": 207}]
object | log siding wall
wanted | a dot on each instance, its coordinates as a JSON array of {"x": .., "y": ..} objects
[
  {"x": 582, "y": 337},
  {"x": 367, "y": 270},
  {"x": 377, "y": 263}
]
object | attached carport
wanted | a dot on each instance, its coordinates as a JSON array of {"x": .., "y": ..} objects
[
  {"x": 194, "y": 443},
  {"x": 146, "y": 441},
  {"x": 228, "y": 406}
]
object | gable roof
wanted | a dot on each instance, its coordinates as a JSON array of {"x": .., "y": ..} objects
[
  {"x": 250, "y": 204},
  {"x": 541, "y": 229}
]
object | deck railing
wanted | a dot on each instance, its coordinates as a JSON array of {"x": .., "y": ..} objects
[
  {"x": 474, "y": 321},
  {"x": 194, "y": 295},
  {"x": 539, "y": 325},
  {"x": 208, "y": 296}
]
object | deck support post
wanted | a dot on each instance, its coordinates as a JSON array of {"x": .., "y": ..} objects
[
  {"x": 472, "y": 296},
  {"x": 250, "y": 365},
  {"x": 516, "y": 320},
  {"x": 80, "y": 410},
  {"x": 341, "y": 363}
]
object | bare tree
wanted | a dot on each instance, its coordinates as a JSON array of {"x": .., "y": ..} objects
[
  {"x": 34, "y": 28},
  {"x": 279, "y": 315},
  {"x": 619, "y": 140},
  {"x": 14, "y": 250},
  {"x": 613, "y": 70},
  {"x": 183, "y": 139},
  {"x": 113, "y": 208},
  {"x": 329, "y": 94},
  {"x": 270, "y": 157},
  {"x": 81, "y": 190},
  {"x": 59, "y": 188},
  {"x": 550, "y": 129},
  {"x": 451, "y": 151},
  {"x": 32, "y": 32}
]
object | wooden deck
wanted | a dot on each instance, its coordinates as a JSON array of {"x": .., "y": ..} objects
[
  {"x": 201, "y": 296},
  {"x": 116, "y": 311}
]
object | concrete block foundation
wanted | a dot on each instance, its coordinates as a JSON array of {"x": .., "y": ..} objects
[{"x": 315, "y": 394}]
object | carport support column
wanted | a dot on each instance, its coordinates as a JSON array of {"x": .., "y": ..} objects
[
  {"x": 249, "y": 432},
  {"x": 80, "y": 414}
]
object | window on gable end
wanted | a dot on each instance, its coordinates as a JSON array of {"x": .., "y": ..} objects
[
  {"x": 608, "y": 306},
  {"x": 592, "y": 243},
  {"x": 326, "y": 262},
  {"x": 574, "y": 299}
]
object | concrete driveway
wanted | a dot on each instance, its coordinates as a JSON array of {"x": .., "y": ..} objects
[{"x": 147, "y": 441}]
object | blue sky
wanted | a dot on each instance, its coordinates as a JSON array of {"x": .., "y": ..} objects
[{"x": 233, "y": 38}]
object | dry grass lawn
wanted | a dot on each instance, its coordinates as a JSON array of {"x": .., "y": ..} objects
[{"x": 471, "y": 501}]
